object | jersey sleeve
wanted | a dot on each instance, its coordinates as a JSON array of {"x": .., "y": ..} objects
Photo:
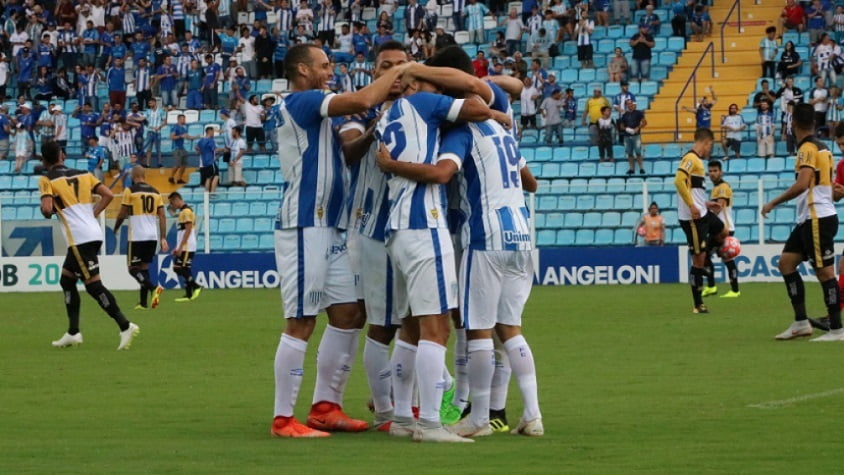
[
  {"x": 159, "y": 202},
  {"x": 127, "y": 197},
  {"x": 308, "y": 108},
  {"x": 721, "y": 191},
  {"x": 686, "y": 164},
  {"x": 92, "y": 181},
  {"x": 456, "y": 144},
  {"x": 186, "y": 216},
  {"x": 45, "y": 186},
  {"x": 806, "y": 157},
  {"x": 436, "y": 108},
  {"x": 500, "y": 99}
]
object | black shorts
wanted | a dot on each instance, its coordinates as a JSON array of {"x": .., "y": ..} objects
[
  {"x": 206, "y": 173},
  {"x": 141, "y": 252},
  {"x": 185, "y": 259},
  {"x": 82, "y": 260},
  {"x": 699, "y": 234},
  {"x": 734, "y": 145},
  {"x": 584, "y": 53},
  {"x": 528, "y": 120},
  {"x": 814, "y": 240}
]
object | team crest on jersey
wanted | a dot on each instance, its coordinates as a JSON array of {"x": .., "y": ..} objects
[
  {"x": 359, "y": 213},
  {"x": 320, "y": 212},
  {"x": 435, "y": 213},
  {"x": 801, "y": 156}
]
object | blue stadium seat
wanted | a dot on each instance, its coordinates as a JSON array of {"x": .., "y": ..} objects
[
  {"x": 584, "y": 237},
  {"x": 546, "y": 237},
  {"x": 216, "y": 242},
  {"x": 249, "y": 242},
  {"x": 542, "y": 154},
  {"x": 653, "y": 150},
  {"x": 624, "y": 202},
  {"x": 20, "y": 182},
  {"x": 611, "y": 219},
  {"x": 539, "y": 220},
  {"x": 743, "y": 233},
  {"x": 667, "y": 58},
  {"x": 579, "y": 185},
  {"x": 231, "y": 242},
  {"x": 775, "y": 164},
  {"x": 585, "y": 202},
  {"x": 9, "y": 212},
  {"x": 676, "y": 43},
  {"x": 672, "y": 150},
  {"x": 208, "y": 115},
  {"x": 648, "y": 88},
  {"x": 661, "y": 167},
  {"x": 570, "y": 48},
  {"x": 784, "y": 215},
  {"x": 5, "y": 182},
  {"x": 622, "y": 237},
  {"x": 565, "y": 237},
  {"x": 630, "y": 218},
  {"x": 604, "y": 237},
  {"x": 553, "y": 220},
  {"x": 568, "y": 75},
  {"x": 615, "y": 185},
  {"x": 244, "y": 225},
  {"x": 669, "y": 216},
  {"x": 561, "y": 153},
  {"x": 604, "y": 202},
  {"x": 780, "y": 233},
  {"x": 634, "y": 184},
  {"x": 562, "y": 62},
  {"x": 193, "y": 179},
  {"x": 737, "y": 166},
  {"x": 260, "y": 161},
  {"x": 550, "y": 170},
  {"x": 547, "y": 203},
  {"x": 677, "y": 236},
  {"x": 221, "y": 209},
  {"x": 263, "y": 225},
  {"x": 257, "y": 208},
  {"x": 606, "y": 46},
  {"x": 567, "y": 203},
  {"x": 739, "y": 199},
  {"x": 213, "y": 225},
  {"x": 266, "y": 241},
  {"x": 240, "y": 208},
  {"x": 591, "y": 219},
  {"x": 655, "y": 184},
  {"x": 25, "y": 212},
  {"x": 568, "y": 169},
  {"x": 606, "y": 169},
  {"x": 573, "y": 220},
  {"x": 746, "y": 215},
  {"x": 597, "y": 185},
  {"x": 586, "y": 75},
  {"x": 527, "y": 153},
  {"x": 226, "y": 225},
  {"x": 580, "y": 153}
]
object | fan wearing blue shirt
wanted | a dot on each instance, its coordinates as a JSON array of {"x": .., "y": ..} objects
[
  {"x": 209, "y": 82},
  {"x": 26, "y": 69},
  {"x": 116, "y": 80},
  {"x": 209, "y": 172}
]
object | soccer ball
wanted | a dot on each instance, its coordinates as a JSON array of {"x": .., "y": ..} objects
[{"x": 730, "y": 249}]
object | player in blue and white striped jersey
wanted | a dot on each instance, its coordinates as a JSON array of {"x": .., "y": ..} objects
[
  {"x": 418, "y": 242},
  {"x": 310, "y": 250},
  {"x": 496, "y": 269}
]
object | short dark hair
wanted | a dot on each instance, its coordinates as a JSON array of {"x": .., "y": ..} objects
[
  {"x": 715, "y": 164},
  {"x": 296, "y": 55},
  {"x": 174, "y": 194},
  {"x": 703, "y": 134},
  {"x": 391, "y": 45},
  {"x": 804, "y": 116},
  {"x": 771, "y": 29},
  {"x": 50, "y": 152},
  {"x": 452, "y": 56}
]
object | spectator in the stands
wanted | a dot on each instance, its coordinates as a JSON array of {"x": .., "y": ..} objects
[
  {"x": 520, "y": 66},
  {"x": 265, "y": 47},
  {"x": 498, "y": 47},
  {"x": 642, "y": 44},
  {"x": 790, "y": 62},
  {"x": 534, "y": 21},
  {"x": 621, "y": 11},
  {"x": 414, "y": 17},
  {"x": 593, "y": 112},
  {"x": 768, "y": 49},
  {"x": 824, "y": 57},
  {"x": 443, "y": 39},
  {"x": 606, "y": 127},
  {"x": 697, "y": 23},
  {"x": 789, "y": 92},
  {"x": 480, "y": 64},
  {"x": 528, "y": 98},
  {"x": 475, "y": 13},
  {"x": 550, "y": 85},
  {"x": 617, "y": 67},
  {"x": 602, "y": 12},
  {"x": 631, "y": 125},
  {"x": 703, "y": 110},
  {"x": 432, "y": 13},
  {"x": 385, "y": 22},
  {"x": 787, "y": 130},
  {"x": 651, "y": 228},
  {"x": 732, "y": 128},
  {"x": 833, "y": 109},
  {"x": 540, "y": 45},
  {"x": 584, "y": 29},
  {"x": 382, "y": 37},
  {"x": 651, "y": 20},
  {"x": 555, "y": 26},
  {"x": 305, "y": 16},
  {"x": 458, "y": 14},
  {"x": 765, "y": 130},
  {"x": 764, "y": 95},
  {"x": 551, "y": 116},
  {"x": 570, "y": 114},
  {"x": 209, "y": 83},
  {"x": 361, "y": 72},
  {"x": 619, "y": 102},
  {"x": 838, "y": 24},
  {"x": 792, "y": 17},
  {"x": 818, "y": 97},
  {"x": 538, "y": 73},
  {"x": 513, "y": 31},
  {"x": 679, "y": 9},
  {"x": 815, "y": 21}
]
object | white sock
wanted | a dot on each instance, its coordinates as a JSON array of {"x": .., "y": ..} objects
[
  {"x": 481, "y": 368},
  {"x": 333, "y": 364},
  {"x": 461, "y": 371},
  {"x": 289, "y": 363},
  {"x": 354, "y": 344},
  {"x": 521, "y": 359},
  {"x": 376, "y": 361},
  {"x": 403, "y": 363},
  {"x": 501, "y": 379},
  {"x": 430, "y": 359}
]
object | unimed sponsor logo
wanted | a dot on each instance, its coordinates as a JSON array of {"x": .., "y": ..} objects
[{"x": 595, "y": 275}]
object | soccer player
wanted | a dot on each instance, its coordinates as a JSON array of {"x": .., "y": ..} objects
[
  {"x": 699, "y": 225},
  {"x": 723, "y": 195},
  {"x": 143, "y": 205},
  {"x": 817, "y": 223},
  {"x": 70, "y": 194},
  {"x": 420, "y": 247},
  {"x": 310, "y": 251},
  {"x": 185, "y": 246}
]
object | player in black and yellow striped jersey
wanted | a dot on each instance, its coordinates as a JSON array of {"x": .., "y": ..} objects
[
  {"x": 700, "y": 226},
  {"x": 723, "y": 195},
  {"x": 71, "y": 194},
  {"x": 817, "y": 223},
  {"x": 185, "y": 246},
  {"x": 143, "y": 205}
]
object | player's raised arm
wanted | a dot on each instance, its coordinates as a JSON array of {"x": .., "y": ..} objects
[
  {"x": 511, "y": 85},
  {"x": 363, "y": 99},
  {"x": 452, "y": 80},
  {"x": 473, "y": 110}
]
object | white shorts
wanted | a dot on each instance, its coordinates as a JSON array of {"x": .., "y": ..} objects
[
  {"x": 377, "y": 283},
  {"x": 352, "y": 239},
  {"x": 425, "y": 279},
  {"x": 494, "y": 287},
  {"x": 314, "y": 270}
]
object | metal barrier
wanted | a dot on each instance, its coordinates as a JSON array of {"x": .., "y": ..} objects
[
  {"x": 710, "y": 49},
  {"x": 735, "y": 8}
]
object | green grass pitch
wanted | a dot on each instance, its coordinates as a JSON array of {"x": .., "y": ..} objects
[{"x": 630, "y": 381}]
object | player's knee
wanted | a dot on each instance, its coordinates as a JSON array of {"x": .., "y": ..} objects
[
  {"x": 67, "y": 282},
  {"x": 95, "y": 288},
  {"x": 383, "y": 335}
]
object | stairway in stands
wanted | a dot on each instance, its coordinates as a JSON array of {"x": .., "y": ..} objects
[{"x": 733, "y": 80}]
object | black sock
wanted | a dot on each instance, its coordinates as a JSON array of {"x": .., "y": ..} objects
[
  {"x": 106, "y": 300},
  {"x": 696, "y": 283},
  {"x": 830, "y": 298},
  {"x": 143, "y": 296},
  {"x": 709, "y": 267},
  {"x": 794, "y": 286},
  {"x": 732, "y": 273},
  {"x": 71, "y": 303},
  {"x": 185, "y": 273}
]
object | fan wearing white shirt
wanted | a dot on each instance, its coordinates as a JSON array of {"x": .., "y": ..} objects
[
  {"x": 246, "y": 45},
  {"x": 254, "y": 115},
  {"x": 236, "y": 149}
]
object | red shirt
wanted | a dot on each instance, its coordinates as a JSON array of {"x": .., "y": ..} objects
[
  {"x": 839, "y": 172},
  {"x": 481, "y": 67},
  {"x": 793, "y": 14}
]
